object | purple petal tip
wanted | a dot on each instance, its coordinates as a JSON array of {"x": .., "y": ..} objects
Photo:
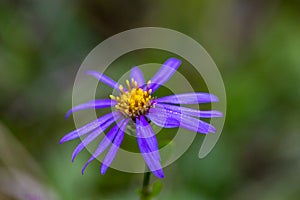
[
  {"x": 83, "y": 169},
  {"x": 212, "y": 129},
  {"x": 103, "y": 169},
  {"x": 218, "y": 114},
  {"x": 159, "y": 173},
  {"x": 173, "y": 60},
  {"x": 62, "y": 141},
  {"x": 214, "y": 98},
  {"x": 162, "y": 176},
  {"x": 89, "y": 72},
  {"x": 68, "y": 114}
]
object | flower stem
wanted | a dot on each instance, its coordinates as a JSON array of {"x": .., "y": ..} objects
[{"x": 146, "y": 190}]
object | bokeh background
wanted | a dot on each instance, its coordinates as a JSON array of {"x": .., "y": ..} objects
[{"x": 256, "y": 45}]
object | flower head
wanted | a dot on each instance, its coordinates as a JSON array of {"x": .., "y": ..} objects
[
  {"x": 136, "y": 105},
  {"x": 135, "y": 101}
]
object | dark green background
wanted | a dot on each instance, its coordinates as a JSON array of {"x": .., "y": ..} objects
[{"x": 256, "y": 45}]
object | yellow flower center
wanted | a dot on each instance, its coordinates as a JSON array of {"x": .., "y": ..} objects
[{"x": 135, "y": 101}]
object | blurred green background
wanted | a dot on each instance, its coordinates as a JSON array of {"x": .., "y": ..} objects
[{"x": 256, "y": 45}]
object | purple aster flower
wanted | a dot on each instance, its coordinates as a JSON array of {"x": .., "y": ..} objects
[{"x": 137, "y": 106}]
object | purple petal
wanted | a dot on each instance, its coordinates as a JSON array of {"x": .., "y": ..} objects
[
  {"x": 107, "y": 140},
  {"x": 138, "y": 76},
  {"x": 147, "y": 134},
  {"x": 103, "y": 103},
  {"x": 114, "y": 148},
  {"x": 104, "y": 79},
  {"x": 88, "y": 127},
  {"x": 88, "y": 139},
  {"x": 188, "y": 122},
  {"x": 164, "y": 73},
  {"x": 148, "y": 147},
  {"x": 191, "y": 112},
  {"x": 161, "y": 119},
  {"x": 188, "y": 98}
]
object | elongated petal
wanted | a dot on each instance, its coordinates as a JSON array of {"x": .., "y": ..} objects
[
  {"x": 148, "y": 147},
  {"x": 88, "y": 139},
  {"x": 103, "y": 103},
  {"x": 138, "y": 76},
  {"x": 188, "y": 98},
  {"x": 87, "y": 128},
  {"x": 107, "y": 140},
  {"x": 104, "y": 79},
  {"x": 148, "y": 135},
  {"x": 191, "y": 112},
  {"x": 162, "y": 119},
  {"x": 188, "y": 122},
  {"x": 164, "y": 73},
  {"x": 114, "y": 148}
]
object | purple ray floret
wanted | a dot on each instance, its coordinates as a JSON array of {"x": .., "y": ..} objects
[
  {"x": 107, "y": 140},
  {"x": 190, "y": 111},
  {"x": 138, "y": 76},
  {"x": 114, "y": 147},
  {"x": 104, "y": 79},
  {"x": 160, "y": 118},
  {"x": 87, "y": 128},
  {"x": 96, "y": 104},
  {"x": 148, "y": 147},
  {"x": 185, "y": 121},
  {"x": 188, "y": 98},
  {"x": 164, "y": 73},
  {"x": 136, "y": 105},
  {"x": 93, "y": 135}
]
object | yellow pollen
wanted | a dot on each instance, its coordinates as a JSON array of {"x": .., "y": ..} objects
[{"x": 135, "y": 101}]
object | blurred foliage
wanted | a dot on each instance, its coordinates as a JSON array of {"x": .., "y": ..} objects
[{"x": 255, "y": 44}]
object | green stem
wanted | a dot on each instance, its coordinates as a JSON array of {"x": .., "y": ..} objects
[{"x": 146, "y": 190}]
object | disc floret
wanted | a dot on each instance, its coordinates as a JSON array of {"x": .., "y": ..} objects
[{"x": 134, "y": 101}]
